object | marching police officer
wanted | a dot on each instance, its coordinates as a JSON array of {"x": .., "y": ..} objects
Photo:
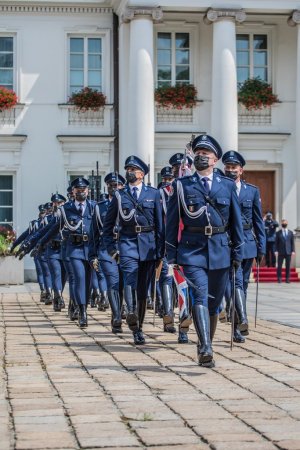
[
  {"x": 254, "y": 234},
  {"x": 136, "y": 210},
  {"x": 165, "y": 285},
  {"x": 32, "y": 228},
  {"x": 99, "y": 255},
  {"x": 176, "y": 160},
  {"x": 75, "y": 219},
  {"x": 211, "y": 240}
]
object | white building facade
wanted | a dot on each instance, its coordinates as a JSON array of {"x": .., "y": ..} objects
[{"x": 126, "y": 48}]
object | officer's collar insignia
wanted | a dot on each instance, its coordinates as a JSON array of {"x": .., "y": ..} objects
[
  {"x": 194, "y": 179},
  {"x": 218, "y": 179}
]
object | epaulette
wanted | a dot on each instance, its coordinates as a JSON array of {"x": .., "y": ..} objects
[
  {"x": 151, "y": 187},
  {"x": 226, "y": 178},
  {"x": 249, "y": 184}
]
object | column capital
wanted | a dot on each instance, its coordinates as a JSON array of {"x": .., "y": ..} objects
[
  {"x": 294, "y": 18},
  {"x": 214, "y": 15},
  {"x": 155, "y": 14}
]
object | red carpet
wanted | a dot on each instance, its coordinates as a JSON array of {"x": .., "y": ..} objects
[{"x": 269, "y": 275}]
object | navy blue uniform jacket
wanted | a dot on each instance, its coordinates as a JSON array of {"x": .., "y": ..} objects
[
  {"x": 145, "y": 246},
  {"x": 196, "y": 248}
]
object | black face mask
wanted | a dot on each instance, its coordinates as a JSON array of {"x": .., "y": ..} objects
[
  {"x": 176, "y": 171},
  {"x": 284, "y": 225},
  {"x": 130, "y": 177},
  {"x": 111, "y": 190},
  {"x": 80, "y": 196},
  {"x": 201, "y": 162},
  {"x": 232, "y": 175}
]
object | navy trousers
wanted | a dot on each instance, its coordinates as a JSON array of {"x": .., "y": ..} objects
[
  {"x": 39, "y": 273},
  {"x": 58, "y": 274},
  {"x": 82, "y": 275},
  {"x": 207, "y": 281},
  {"x": 137, "y": 274},
  {"x": 111, "y": 273},
  {"x": 46, "y": 274}
]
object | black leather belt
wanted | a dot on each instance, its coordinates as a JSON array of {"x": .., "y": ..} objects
[
  {"x": 138, "y": 229},
  {"x": 247, "y": 226},
  {"x": 208, "y": 230},
  {"x": 55, "y": 245},
  {"x": 78, "y": 238}
]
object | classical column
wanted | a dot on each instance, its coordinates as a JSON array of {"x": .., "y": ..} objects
[
  {"x": 124, "y": 149},
  {"x": 294, "y": 21},
  {"x": 224, "y": 108},
  {"x": 140, "y": 112}
]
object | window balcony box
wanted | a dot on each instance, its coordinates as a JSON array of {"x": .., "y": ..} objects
[
  {"x": 255, "y": 117},
  {"x": 173, "y": 115},
  {"x": 89, "y": 118},
  {"x": 8, "y": 117}
]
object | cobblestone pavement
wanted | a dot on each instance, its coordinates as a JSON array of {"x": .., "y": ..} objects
[{"x": 66, "y": 388}]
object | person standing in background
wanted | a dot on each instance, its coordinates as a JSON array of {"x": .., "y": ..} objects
[
  {"x": 284, "y": 249},
  {"x": 270, "y": 229}
]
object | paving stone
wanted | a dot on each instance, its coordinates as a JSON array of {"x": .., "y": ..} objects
[{"x": 117, "y": 396}]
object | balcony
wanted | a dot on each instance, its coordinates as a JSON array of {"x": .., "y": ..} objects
[
  {"x": 100, "y": 119},
  {"x": 255, "y": 117},
  {"x": 8, "y": 117}
]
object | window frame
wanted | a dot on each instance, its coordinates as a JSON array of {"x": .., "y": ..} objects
[
  {"x": 14, "y": 36},
  {"x": 193, "y": 48},
  {"x": 13, "y": 191},
  {"x": 105, "y": 51},
  {"x": 267, "y": 30}
]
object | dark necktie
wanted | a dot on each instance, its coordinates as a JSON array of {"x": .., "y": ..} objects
[
  {"x": 134, "y": 192},
  {"x": 80, "y": 209},
  {"x": 205, "y": 184}
]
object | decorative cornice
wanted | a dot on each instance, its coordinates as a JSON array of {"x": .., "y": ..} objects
[
  {"x": 213, "y": 15},
  {"x": 294, "y": 19},
  {"x": 52, "y": 9},
  {"x": 129, "y": 14}
]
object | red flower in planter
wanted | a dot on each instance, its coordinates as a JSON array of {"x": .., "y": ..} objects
[
  {"x": 177, "y": 97},
  {"x": 87, "y": 98},
  {"x": 8, "y": 98},
  {"x": 255, "y": 93}
]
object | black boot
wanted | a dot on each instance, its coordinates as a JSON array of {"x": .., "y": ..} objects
[
  {"x": 184, "y": 325},
  {"x": 139, "y": 335},
  {"x": 159, "y": 307},
  {"x": 83, "y": 323},
  {"x": 149, "y": 302},
  {"x": 116, "y": 319},
  {"x": 94, "y": 297},
  {"x": 124, "y": 311},
  {"x": 202, "y": 327},
  {"x": 42, "y": 296},
  {"x": 62, "y": 303},
  {"x": 213, "y": 322},
  {"x": 48, "y": 297},
  {"x": 131, "y": 303},
  {"x": 168, "y": 317},
  {"x": 56, "y": 301},
  {"x": 240, "y": 306},
  {"x": 237, "y": 336},
  {"x": 103, "y": 303},
  {"x": 73, "y": 310}
]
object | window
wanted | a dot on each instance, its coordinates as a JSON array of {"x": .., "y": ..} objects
[
  {"x": 85, "y": 63},
  {"x": 173, "y": 59},
  {"x": 252, "y": 57},
  {"x": 6, "y": 199},
  {"x": 7, "y": 61}
]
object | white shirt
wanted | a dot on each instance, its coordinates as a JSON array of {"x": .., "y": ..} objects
[
  {"x": 210, "y": 179},
  {"x": 138, "y": 190},
  {"x": 238, "y": 188},
  {"x": 83, "y": 205}
]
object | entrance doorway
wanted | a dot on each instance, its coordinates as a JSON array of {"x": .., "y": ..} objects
[{"x": 265, "y": 181}]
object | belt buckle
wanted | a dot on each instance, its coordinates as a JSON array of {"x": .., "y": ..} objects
[
  {"x": 138, "y": 228},
  {"x": 85, "y": 237},
  {"x": 208, "y": 230}
]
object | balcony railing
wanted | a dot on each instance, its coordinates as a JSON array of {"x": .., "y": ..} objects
[
  {"x": 173, "y": 116},
  {"x": 255, "y": 117}
]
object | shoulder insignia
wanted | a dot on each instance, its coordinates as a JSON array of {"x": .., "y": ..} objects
[{"x": 218, "y": 179}]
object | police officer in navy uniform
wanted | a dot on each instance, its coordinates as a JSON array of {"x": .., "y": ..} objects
[
  {"x": 136, "y": 210},
  {"x": 176, "y": 160},
  {"x": 254, "y": 234},
  {"x": 32, "y": 228},
  {"x": 98, "y": 254},
  {"x": 75, "y": 220},
  {"x": 211, "y": 241},
  {"x": 55, "y": 261},
  {"x": 165, "y": 285}
]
